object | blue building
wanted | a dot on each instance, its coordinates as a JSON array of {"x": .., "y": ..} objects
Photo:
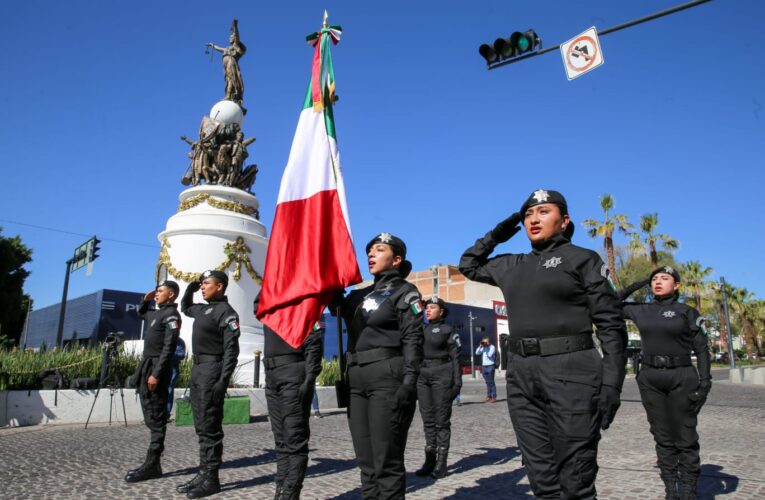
[{"x": 89, "y": 319}]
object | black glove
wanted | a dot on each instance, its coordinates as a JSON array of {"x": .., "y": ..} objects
[
  {"x": 304, "y": 392},
  {"x": 699, "y": 396},
  {"x": 219, "y": 390},
  {"x": 194, "y": 286},
  {"x": 405, "y": 396},
  {"x": 335, "y": 302},
  {"x": 506, "y": 229},
  {"x": 608, "y": 404},
  {"x": 455, "y": 391}
]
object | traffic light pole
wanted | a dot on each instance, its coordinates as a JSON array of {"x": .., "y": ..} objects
[
  {"x": 62, "y": 310},
  {"x": 607, "y": 31}
]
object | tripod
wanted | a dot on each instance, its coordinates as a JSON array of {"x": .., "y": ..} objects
[{"x": 109, "y": 379}]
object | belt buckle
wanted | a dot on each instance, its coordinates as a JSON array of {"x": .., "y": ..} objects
[
  {"x": 529, "y": 346},
  {"x": 661, "y": 361}
]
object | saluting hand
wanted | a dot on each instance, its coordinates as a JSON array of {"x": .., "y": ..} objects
[
  {"x": 507, "y": 228},
  {"x": 149, "y": 296}
]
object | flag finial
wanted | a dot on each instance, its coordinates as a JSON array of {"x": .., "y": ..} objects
[{"x": 326, "y": 16}]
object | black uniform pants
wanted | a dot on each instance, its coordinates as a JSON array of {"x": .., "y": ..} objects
[
  {"x": 553, "y": 403},
  {"x": 671, "y": 417},
  {"x": 208, "y": 414},
  {"x": 154, "y": 407},
  {"x": 378, "y": 427},
  {"x": 434, "y": 396},
  {"x": 289, "y": 422}
]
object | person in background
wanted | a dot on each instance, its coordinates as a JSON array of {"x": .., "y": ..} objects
[{"x": 488, "y": 355}]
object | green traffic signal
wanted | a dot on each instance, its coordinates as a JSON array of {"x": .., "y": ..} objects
[{"x": 506, "y": 48}]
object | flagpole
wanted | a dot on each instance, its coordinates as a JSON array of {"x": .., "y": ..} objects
[{"x": 341, "y": 388}]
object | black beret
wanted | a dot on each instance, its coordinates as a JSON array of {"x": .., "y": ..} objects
[
  {"x": 172, "y": 285},
  {"x": 218, "y": 275},
  {"x": 545, "y": 196},
  {"x": 396, "y": 243},
  {"x": 666, "y": 270},
  {"x": 439, "y": 302}
]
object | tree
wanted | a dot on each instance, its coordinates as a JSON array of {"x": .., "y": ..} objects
[
  {"x": 13, "y": 301},
  {"x": 693, "y": 275},
  {"x": 651, "y": 240},
  {"x": 739, "y": 300},
  {"x": 606, "y": 229},
  {"x": 631, "y": 268}
]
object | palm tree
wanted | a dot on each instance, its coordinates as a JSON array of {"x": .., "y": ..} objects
[
  {"x": 740, "y": 300},
  {"x": 650, "y": 240},
  {"x": 693, "y": 280},
  {"x": 606, "y": 229}
]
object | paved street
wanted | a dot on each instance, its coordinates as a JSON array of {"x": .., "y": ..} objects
[{"x": 70, "y": 462}]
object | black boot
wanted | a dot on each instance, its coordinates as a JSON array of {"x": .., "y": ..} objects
[
  {"x": 209, "y": 485},
  {"x": 430, "y": 462},
  {"x": 670, "y": 485},
  {"x": 185, "y": 487},
  {"x": 687, "y": 486},
  {"x": 278, "y": 492},
  {"x": 150, "y": 469},
  {"x": 440, "y": 470}
]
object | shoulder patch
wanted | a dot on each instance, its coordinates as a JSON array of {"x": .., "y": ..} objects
[
  {"x": 606, "y": 273},
  {"x": 456, "y": 340},
  {"x": 232, "y": 322},
  {"x": 414, "y": 302}
]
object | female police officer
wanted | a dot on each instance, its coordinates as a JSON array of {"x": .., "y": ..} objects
[
  {"x": 559, "y": 389},
  {"x": 384, "y": 324},
  {"x": 670, "y": 387},
  {"x": 439, "y": 383}
]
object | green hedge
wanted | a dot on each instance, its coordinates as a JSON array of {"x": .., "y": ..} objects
[
  {"x": 19, "y": 369},
  {"x": 330, "y": 373}
]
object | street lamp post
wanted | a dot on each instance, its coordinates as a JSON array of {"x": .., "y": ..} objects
[
  {"x": 731, "y": 355},
  {"x": 472, "y": 352}
]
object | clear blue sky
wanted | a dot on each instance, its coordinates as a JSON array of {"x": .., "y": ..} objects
[{"x": 435, "y": 148}]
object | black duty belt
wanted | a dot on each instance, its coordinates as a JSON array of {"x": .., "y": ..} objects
[
  {"x": 372, "y": 355},
  {"x": 547, "y": 346},
  {"x": 667, "y": 361},
  {"x": 435, "y": 361},
  {"x": 284, "y": 359},
  {"x": 206, "y": 358}
]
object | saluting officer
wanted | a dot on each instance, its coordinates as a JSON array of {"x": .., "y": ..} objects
[
  {"x": 439, "y": 383},
  {"x": 560, "y": 392},
  {"x": 153, "y": 373},
  {"x": 290, "y": 377},
  {"x": 672, "y": 390},
  {"x": 384, "y": 322},
  {"x": 215, "y": 347}
]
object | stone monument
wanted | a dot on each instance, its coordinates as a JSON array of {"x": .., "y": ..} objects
[{"x": 217, "y": 224}]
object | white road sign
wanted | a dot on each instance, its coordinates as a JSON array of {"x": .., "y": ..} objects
[{"x": 582, "y": 53}]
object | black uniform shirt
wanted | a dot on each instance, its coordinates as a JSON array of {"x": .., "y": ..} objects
[
  {"x": 386, "y": 314},
  {"x": 437, "y": 340},
  {"x": 558, "y": 289},
  {"x": 161, "y": 335},
  {"x": 312, "y": 348},
  {"x": 668, "y": 327},
  {"x": 215, "y": 331}
]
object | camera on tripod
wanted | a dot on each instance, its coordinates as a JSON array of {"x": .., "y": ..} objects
[
  {"x": 108, "y": 378},
  {"x": 114, "y": 339}
]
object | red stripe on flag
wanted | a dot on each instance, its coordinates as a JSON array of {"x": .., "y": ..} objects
[
  {"x": 316, "y": 72},
  {"x": 310, "y": 256}
]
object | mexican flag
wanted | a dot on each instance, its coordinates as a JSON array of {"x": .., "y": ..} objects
[{"x": 310, "y": 254}]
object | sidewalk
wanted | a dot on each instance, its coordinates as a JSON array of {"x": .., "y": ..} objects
[{"x": 70, "y": 462}]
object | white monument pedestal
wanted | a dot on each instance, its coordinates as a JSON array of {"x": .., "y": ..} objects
[{"x": 216, "y": 228}]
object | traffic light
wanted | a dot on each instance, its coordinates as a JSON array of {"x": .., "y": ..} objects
[
  {"x": 93, "y": 249},
  {"x": 515, "y": 45}
]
